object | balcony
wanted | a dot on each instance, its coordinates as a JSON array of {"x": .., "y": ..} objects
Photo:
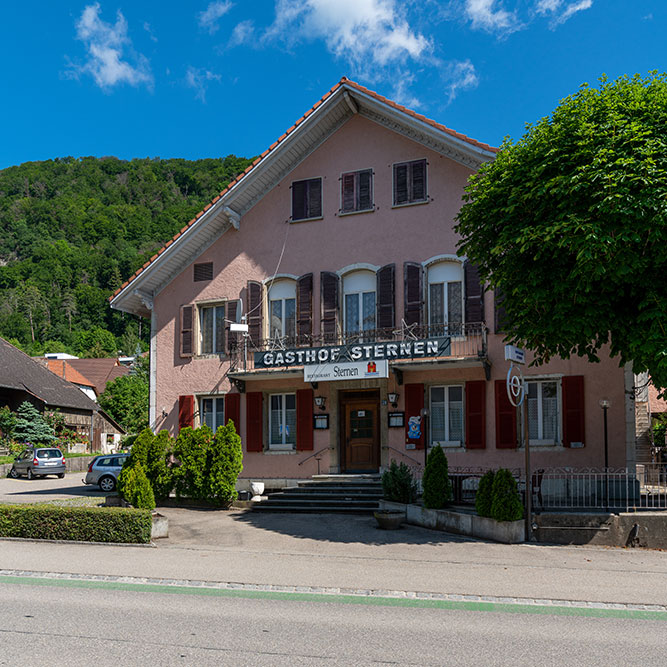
[{"x": 409, "y": 348}]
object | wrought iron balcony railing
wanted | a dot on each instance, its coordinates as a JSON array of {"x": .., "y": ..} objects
[{"x": 466, "y": 341}]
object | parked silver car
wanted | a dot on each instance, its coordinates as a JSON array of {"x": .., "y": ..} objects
[
  {"x": 39, "y": 462},
  {"x": 104, "y": 471}
]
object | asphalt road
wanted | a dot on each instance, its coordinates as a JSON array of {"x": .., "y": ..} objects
[
  {"x": 56, "y": 625},
  {"x": 45, "y": 489}
]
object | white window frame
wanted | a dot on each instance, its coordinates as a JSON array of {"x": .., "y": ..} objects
[
  {"x": 215, "y": 398},
  {"x": 446, "y": 443},
  {"x": 432, "y": 270},
  {"x": 358, "y": 290},
  {"x": 282, "y": 446},
  {"x": 200, "y": 329},
  {"x": 283, "y": 289},
  {"x": 547, "y": 442}
]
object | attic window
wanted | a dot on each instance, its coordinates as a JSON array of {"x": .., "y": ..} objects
[
  {"x": 203, "y": 272},
  {"x": 307, "y": 199}
]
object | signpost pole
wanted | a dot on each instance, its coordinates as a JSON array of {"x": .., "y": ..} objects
[{"x": 529, "y": 480}]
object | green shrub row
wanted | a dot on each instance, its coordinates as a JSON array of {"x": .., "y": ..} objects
[
  {"x": 199, "y": 464},
  {"x": 498, "y": 497},
  {"x": 88, "y": 524}
]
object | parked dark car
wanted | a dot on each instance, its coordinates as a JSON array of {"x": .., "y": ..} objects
[
  {"x": 39, "y": 462},
  {"x": 104, "y": 471}
]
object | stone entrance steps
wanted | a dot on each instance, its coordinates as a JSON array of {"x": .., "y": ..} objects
[{"x": 327, "y": 493}]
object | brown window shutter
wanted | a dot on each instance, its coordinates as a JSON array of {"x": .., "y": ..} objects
[
  {"x": 498, "y": 311},
  {"x": 231, "y": 315},
  {"x": 400, "y": 184},
  {"x": 187, "y": 333},
  {"x": 418, "y": 174},
  {"x": 573, "y": 409},
  {"x": 413, "y": 298},
  {"x": 186, "y": 411},
  {"x": 476, "y": 414},
  {"x": 414, "y": 402},
  {"x": 254, "y": 313},
  {"x": 505, "y": 418},
  {"x": 254, "y": 422},
  {"x": 385, "y": 297},
  {"x": 304, "y": 419},
  {"x": 233, "y": 410},
  {"x": 348, "y": 198},
  {"x": 314, "y": 198},
  {"x": 365, "y": 190},
  {"x": 203, "y": 272},
  {"x": 304, "y": 307},
  {"x": 474, "y": 294},
  {"x": 329, "y": 283},
  {"x": 299, "y": 200}
]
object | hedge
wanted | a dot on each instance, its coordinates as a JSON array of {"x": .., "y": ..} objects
[{"x": 88, "y": 524}]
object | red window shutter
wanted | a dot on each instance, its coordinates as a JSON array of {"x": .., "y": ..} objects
[
  {"x": 413, "y": 298},
  {"x": 187, "y": 316},
  {"x": 365, "y": 189},
  {"x": 233, "y": 410},
  {"x": 304, "y": 419},
  {"x": 348, "y": 198},
  {"x": 476, "y": 414},
  {"x": 304, "y": 308},
  {"x": 573, "y": 409},
  {"x": 254, "y": 422},
  {"x": 474, "y": 294},
  {"x": 314, "y": 198},
  {"x": 254, "y": 313},
  {"x": 329, "y": 299},
  {"x": 385, "y": 297},
  {"x": 505, "y": 418},
  {"x": 414, "y": 402},
  {"x": 186, "y": 411}
]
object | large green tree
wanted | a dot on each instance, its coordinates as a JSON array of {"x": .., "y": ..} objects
[
  {"x": 570, "y": 223},
  {"x": 126, "y": 398}
]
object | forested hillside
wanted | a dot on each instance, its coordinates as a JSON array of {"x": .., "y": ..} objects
[{"x": 72, "y": 230}]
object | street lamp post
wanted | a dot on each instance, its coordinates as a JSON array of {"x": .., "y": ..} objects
[{"x": 605, "y": 404}]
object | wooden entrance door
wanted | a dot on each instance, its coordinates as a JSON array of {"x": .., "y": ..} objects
[{"x": 361, "y": 435}]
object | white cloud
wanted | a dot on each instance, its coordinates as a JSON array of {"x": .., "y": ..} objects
[
  {"x": 490, "y": 16},
  {"x": 368, "y": 34},
  {"x": 243, "y": 33},
  {"x": 105, "y": 44},
  {"x": 560, "y": 10},
  {"x": 199, "y": 79},
  {"x": 149, "y": 30},
  {"x": 208, "y": 19},
  {"x": 460, "y": 76}
]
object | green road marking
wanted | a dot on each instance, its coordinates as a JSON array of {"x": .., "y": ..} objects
[{"x": 464, "y": 605}]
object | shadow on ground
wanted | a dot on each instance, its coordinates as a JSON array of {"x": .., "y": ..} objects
[
  {"x": 343, "y": 528},
  {"x": 30, "y": 488}
]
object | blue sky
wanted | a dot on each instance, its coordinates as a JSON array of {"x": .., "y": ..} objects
[{"x": 205, "y": 79}]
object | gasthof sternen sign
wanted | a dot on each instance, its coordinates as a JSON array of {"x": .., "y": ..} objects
[{"x": 354, "y": 353}]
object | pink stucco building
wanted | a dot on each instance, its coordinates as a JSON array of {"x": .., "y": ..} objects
[{"x": 336, "y": 248}]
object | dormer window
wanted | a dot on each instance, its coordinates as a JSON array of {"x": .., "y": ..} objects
[
  {"x": 410, "y": 182},
  {"x": 307, "y": 199}
]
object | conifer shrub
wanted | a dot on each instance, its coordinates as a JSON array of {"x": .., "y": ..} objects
[
  {"x": 191, "y": 451},
  {"x": 436, "y": 487},
  {"x": 134, "y": 487},
  {"x": 224, "y": 464},
  {"x": 398, "y": 484},
  {"x": 506, "y": 503},
  {"x": 484, "y": 496},
  {"x": 31, "y": 427}
]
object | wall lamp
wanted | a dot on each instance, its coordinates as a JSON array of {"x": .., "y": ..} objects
[
  {"x": 393, "y": 398},
  {"x": 320, "y": 402}
]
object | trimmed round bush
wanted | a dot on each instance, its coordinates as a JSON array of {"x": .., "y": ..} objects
[
  {"x": 506, "y": 503},
  {"x": 484, "y": 494},
  {"x": 437, "y": 489}
]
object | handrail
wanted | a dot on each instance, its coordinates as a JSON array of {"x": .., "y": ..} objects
[
  {"x": 398, "y": 451},
  {"x": 319, "y": 451}
]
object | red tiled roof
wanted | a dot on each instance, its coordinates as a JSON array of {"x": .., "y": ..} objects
[
  {"x": 656, "y": 404},
  {"x": 343, "y": 81},
  {"x": 63, "y": 369},
  {"x": 99, "y": 371}
]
